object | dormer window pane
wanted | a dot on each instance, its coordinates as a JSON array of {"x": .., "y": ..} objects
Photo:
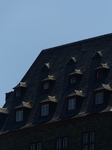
[
  {"x": 46, "y": 86},
  {"x": 99, "y": 74},
  {"x": 71, "y": 104},
  {"x": 18, "y": 92},
  {"x": 99, "y": 98},
  {"x": 72, "y": 80},
  {"x": 45, "y": 110},
  {"x": 19, "y": 115}
]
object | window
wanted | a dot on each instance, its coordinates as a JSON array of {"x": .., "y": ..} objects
[
  {"x": 99, "y": 98},
  {"x": 65, "y": 142},
  {"x": 45, "y": 110},
  {"x": 91, "y": 147},
  {"x": 19, "y": 115},
  {"x": 58, "y": 145},
  {"x": 99, "y": 74},
  {"x": 72, "y": 80},
  {"x": 89, "y": 141},
  {"x": 62, "y": 143},
  {"x": 46, "y": 86},
  {"x": 71, "y": 104},
  {"x": 92, "y": 137},
  {"x": 33, "y": 147},
  {"x": 85, "y": 138},
  {"x": 18, "y": 92},
  {"x": 39, "y": 146}
]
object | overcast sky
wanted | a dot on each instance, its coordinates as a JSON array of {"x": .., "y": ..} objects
[{"x": 28, "y": 26}]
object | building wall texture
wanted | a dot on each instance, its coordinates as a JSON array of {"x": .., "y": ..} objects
[{"x": 101, "y": 125}]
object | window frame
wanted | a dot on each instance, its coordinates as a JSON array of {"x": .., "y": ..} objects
[
  {"x": 72, "y": 77},
  {"x": 31, "y": 146},
  {"x": 99, "y": 73},
  {"x": 99, "y": 97},
  {"x": 62, "y": 143},
  {"x": 44, "y": 110},
  {"x": 19, "y": 115},
  {"x": 72, "y": 80},
  {"x": 65, "y": 142},
  {"x": 39, "y": 146},
  {"x": 88, "y": 142},
  {"x": 18, "y": 92},
  {"x": 71, "y": 104},
  {"x": 46, "y": 85},
  {"x": 58, "y": 143}
]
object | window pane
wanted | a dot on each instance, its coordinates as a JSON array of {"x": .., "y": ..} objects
[
  {"x": 91, "y": 137},
  {"x": 45, "y": 110},
  {"x": 58, "y": 145},
  {"x": 91, "y": 147},
  {"x": 73, "y": 80},
  {"x": 19, "y": 115},
  {"x": 46, "y": 86},
  {"x": 99, "y": 98},
  {"x": 71, "y": 104},
  {"x": 85, "y": 138},
  {"x": 39, "y": 146},
  {"x": 65, "y": 142},
  {"x": 33, "y": 147}
]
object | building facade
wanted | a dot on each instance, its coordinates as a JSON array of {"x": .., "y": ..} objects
[{"x": 64, "y": 101}]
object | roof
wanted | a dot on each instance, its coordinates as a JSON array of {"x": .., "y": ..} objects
[{"x": 52, "y": 64}]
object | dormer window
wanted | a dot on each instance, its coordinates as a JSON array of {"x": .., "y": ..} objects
[
  {"x": 75, "y": 76},
  {"x": 45, "y": 110},
  {"x": 22, "y": 110},
  {"x": 99, "y": 98},
  {"x": 20, "y": 89},
  {"x": 19, "y": 115},
  {"x": 100, "y": 72},
  {"x": 48, "y": 82},
  {"x": 48, "y": 105},
  {"x": 71, "y": 104}
]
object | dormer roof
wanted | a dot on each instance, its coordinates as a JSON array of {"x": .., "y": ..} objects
[
  {"x": 98, "y": 54},
  {"x": 104, "y": 87},
  {"x": 103, "y": 66},
  {"x": 50, "y": 99},
  {"x": 24, "y": 105},
  {"x": 77, "y": 71},
  {"x": 21, "y": 84},
  {"x": 50, "y": 77},
  {"x": 4, "y": 110},
  {"x": 77, "y": 93}
]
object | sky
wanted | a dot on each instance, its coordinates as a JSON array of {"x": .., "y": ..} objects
[{"x": 29, "y": 26}]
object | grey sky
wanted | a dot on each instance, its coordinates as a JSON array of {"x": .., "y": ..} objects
[{"x": 28, "y": 26}]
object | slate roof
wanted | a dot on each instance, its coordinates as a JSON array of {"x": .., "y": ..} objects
[{"x": 82, "y": 58}]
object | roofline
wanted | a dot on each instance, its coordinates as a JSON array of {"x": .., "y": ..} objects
[{"x": 79, "y": 41}]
